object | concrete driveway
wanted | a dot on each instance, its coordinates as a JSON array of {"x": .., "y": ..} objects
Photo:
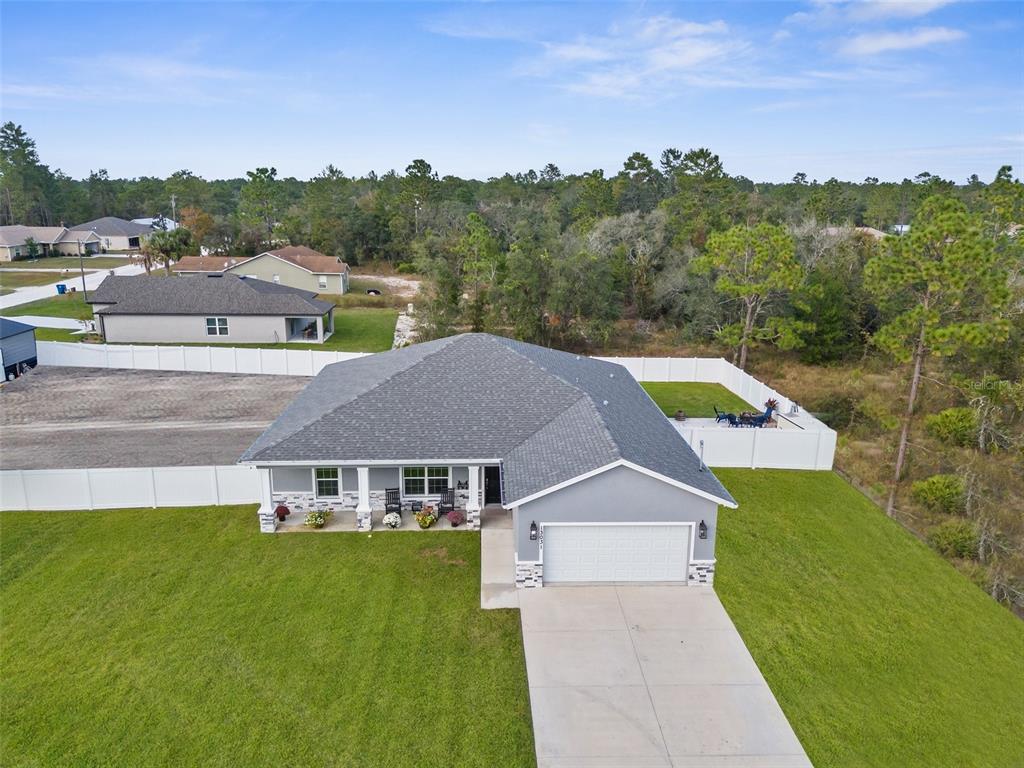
[{"x": 645, "y": 676}]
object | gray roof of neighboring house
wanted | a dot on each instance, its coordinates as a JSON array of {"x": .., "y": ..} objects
[
  {"x": 549, "y": 416},
  {"x": 16, "y": 234},
  {"x": 13, "y": 328},
  {"x": 111, "y": 226},
  {"x": 221, "y": 294}
]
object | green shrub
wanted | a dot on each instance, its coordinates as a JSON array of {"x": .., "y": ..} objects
[
  {"x": 406, "y": 268},
  {"x": 955, "y": 538},
  {"x": 940, "y": 493},
  {"x": 956, "y": 426}
]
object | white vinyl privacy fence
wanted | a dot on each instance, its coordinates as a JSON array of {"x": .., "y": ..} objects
[
  {"x": 58, "y": 489},
  {"x": 283, "y": 362},
  {"x": 800, "y": 441}
]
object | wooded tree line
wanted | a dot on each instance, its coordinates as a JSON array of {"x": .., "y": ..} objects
[{"x": 580, "y": 261}]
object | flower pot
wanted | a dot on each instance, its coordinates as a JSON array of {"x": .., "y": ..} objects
[{"x": 680, "y": 416}]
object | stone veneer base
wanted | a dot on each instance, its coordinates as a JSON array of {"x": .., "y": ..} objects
[{"x": 529, "y": 573}]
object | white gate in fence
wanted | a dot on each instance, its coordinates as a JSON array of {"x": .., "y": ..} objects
[{"x": 59, "y": 489}]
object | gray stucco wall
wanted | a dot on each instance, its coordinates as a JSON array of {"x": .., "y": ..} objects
[
  {"x": 189, "y": 329},
  {"x": 291, "y": 479},
  {"x": 18, "y": 348},
  {"x": 618, "y": 495},
  {"x": 265, "y": 267}
]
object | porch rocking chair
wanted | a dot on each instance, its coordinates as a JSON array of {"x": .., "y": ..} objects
[
  {"x": 392, "y": 501},
  {"x": 447, "y": 502}
]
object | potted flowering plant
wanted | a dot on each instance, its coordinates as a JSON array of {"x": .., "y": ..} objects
[
  {"x": 456, "y": 517},
  {"x": 426, "y": 518},
  {"x": 318, "y": 518},
  {"x": 282, "y": 512},
  {"x": 392, "y": 520}
]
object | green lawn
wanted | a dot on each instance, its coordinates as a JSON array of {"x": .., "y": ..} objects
[
  {"x": 69, "y": 305},
  {"x": 880, "y": 653},
  {"x": 23, "y": 278},
  {"x": 696, "y": 399},
  {"x": 186, "y": 637},
  {"x": 57, "y": 334},
  {"x": 67, "y": 262}
]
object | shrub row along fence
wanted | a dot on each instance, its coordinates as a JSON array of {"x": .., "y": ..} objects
[{"x": 60, "y": 489}]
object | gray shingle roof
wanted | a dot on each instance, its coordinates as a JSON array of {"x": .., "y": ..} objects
[
  {"x": 13, "y": 328},
  {"x": 548, "y": 416},
  {"x": 203, "y": 295},
  {"x": 111, "y": 226}
]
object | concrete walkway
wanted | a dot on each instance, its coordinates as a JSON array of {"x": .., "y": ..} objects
[
  {"x": 74, "y": 279},
  {"x": 497, "y": 560},
  {"x": 645, "y": 676}
]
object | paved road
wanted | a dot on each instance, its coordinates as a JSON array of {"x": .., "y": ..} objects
[
  {"x": 645, "y": 676},
  {"x": 37, "y": 292}
]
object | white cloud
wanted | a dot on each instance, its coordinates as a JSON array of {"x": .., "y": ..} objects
[
  {"x": 885, "y": 9},
  {"x": 871, "y": 43}
]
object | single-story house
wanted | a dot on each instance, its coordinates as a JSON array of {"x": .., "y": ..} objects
[
  {"x": 599, "y": 486},
  {"x": 17, "y": 347},
  {"x": 294, "y": 265},
  {"x": 117, "y": 234},
  {"x": 50, "y": 241},
  {"x": 216, "y": 308}
]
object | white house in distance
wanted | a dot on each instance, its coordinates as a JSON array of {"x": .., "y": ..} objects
[
  {"x": 294, "y": 265},
  {"x": 208, "y": 309},
  {"x": 50, "y": 241},
  {"x": 158, "y": 223}
]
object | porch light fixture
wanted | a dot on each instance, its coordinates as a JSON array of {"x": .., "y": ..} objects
[
  {"x": 702, "y": 530},
  {"x": 533, "y": 530}
]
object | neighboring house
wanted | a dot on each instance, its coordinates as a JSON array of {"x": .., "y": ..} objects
[
  {"x": 50, "y": 241},
  {"x": 117, "y": 234},
  {"x": 208, "y": 309},
  {"x": 294, "y": 265},
  {"x": 599, "y": 484},
  {"x": 901, "y": 229},
  {"x": 17, "y": 347},
  {"x": 158, "y": 223}
]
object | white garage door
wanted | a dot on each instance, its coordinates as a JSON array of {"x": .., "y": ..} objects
[{"x": 615, "y": 552}]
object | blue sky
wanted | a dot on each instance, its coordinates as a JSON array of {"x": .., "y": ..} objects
[{"x": 847, "y": 89}]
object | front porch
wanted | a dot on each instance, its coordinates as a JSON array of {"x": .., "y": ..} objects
[
  {"x": 345, "y": 521},
  {"x": 356, "y": 495}
]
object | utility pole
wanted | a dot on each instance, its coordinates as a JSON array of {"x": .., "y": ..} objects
[
  {"x": 81, "y": 267},
  {"x": 174, "y": 215}
]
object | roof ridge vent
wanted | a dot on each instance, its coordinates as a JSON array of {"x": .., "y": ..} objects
[{"x": 604, "y": 402}]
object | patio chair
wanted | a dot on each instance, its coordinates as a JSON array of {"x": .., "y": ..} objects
[
  {"x": 763, "y": 418},
  {"x": 392, "y": 501},
  {"x": 729, "y": 417},
  {"x": 447, "y": 502}
]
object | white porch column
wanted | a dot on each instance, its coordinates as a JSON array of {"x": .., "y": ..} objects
[
  {"x": 473, "y": 504},
  {"x": 320, "y": 329},
  {"x": 364, "y": 521},
  {"x": 268, "y": 520}
]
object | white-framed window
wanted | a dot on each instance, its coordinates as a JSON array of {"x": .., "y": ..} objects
[
  {"x": 425, "y": 481},
  {"x": 322, "y": 280},
  {"x": 326, "y": 482},
  {"x": 216, "y": 326}
]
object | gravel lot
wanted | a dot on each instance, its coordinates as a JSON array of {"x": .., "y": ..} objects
[{"x": 56, "y": 418}]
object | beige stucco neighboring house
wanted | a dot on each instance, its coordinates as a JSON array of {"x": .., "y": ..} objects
[
  {"x": 294, "y": 265},
  {"x": 207, "y": 309},
  {"x": 116, "y": 234},
  {"x": 50, "y": 241}
]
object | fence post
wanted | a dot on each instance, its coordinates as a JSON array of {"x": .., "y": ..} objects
[
  {"x": 216, "y": 486},
  {"x": 88, "y": 487},
  {"x": 753, "y": 450},
  {"x": 152, "y": 485}
]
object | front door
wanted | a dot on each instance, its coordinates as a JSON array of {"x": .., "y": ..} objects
[{"x": 492, "y": 485}]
